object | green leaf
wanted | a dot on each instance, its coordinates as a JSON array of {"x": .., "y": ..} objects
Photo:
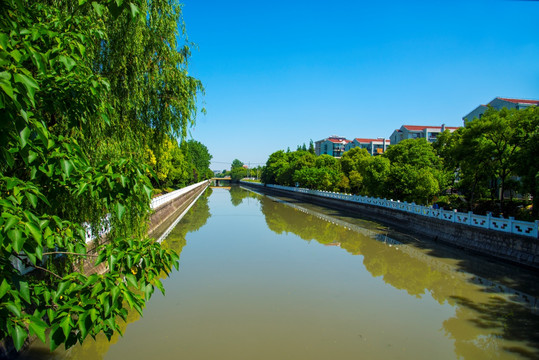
[
  {"x": 38, "y": 251},
  {"x": 131, "y": 280},
  {"x": 33, "y": 173},
  {"x": 31, "y": 256},
  {"x": 42, "y": 132},
  {"x": 82, "y": 324},
  {"x": 12, "y": 220},
  {"x": 14, "y": 309},
  {"x": 5, "y": 83},
  {"x": 24, "y": 135},
  {"x": 100, "y": 258},
  {"x": 67, "y": 167},
  {"x": 82, "y": 188},
  {"x": 29, "y": 83},
  {"x": 32, "y": 199},
  {"x": 123, "y": 180},
  {"x": 16, "y": 55},
  {"x": 17, "y": 239},
  {"x": 31, "y": 157},
  {"x": 148, "y": 291},
  {"x": 34, "y": 230},
  {"x": 38, "y": 327},
  {"x": 61, "y": 288},
  {"x": 115, "y": 292},
  {"x": 148, "y": 191},
  {"x": 106, "y": 307},
  {"x": 24, "y": 291},
  {"x": 120, "y": 210},
  {"x": 134, "y": 10},
  {"x": 129, "y": 298},
  {"x": 4, "y": 287},
  {"x": 65, "y": 324},
  {"x": 3, "y": 41},
  {"x": 105, "y": 118},
  {"x": 98, "y": 8},
  {"x": 112, "y": 262},
  {"x": 93, "y": 315},
  {"x": 160, "y": 286},
  {"x": 68, "y": 62},
  {"x": 51, "y": 314},
  {"x": 19, "y": 336}
]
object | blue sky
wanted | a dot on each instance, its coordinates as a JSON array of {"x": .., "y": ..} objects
[{"x": 280, "y": 73}]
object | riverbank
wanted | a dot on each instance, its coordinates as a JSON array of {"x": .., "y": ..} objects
[
  {"x": 518, "y": 249},
  {"x": 170, "y": 208}
]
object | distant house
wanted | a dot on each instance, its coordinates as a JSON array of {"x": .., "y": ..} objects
[
  {"x": 428, "y": 132},
  {"x": 498, "y": 104},
  {"x": 333, "y": 145},
  {"x": 373, "y": 146}
]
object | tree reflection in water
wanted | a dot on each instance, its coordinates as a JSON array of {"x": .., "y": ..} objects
[
  {"x": 238, "y": 194},
  {"x": 488, "y": 324}
]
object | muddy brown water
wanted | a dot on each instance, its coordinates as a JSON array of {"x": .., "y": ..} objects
[{"x": 273, "y": 278}]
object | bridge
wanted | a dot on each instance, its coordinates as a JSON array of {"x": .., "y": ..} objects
[{"x": 221, "y": 181}]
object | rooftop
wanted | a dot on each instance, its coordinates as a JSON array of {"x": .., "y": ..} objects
[
  {"x": 521, "y": 101},
  {"x": 423, "y": 127},
  {"x": 370, "y": 140}
]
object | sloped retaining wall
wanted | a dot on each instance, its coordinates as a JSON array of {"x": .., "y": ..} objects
[
  {"x": 168, "y": 211},
  {"x": 522, "y": 250}
]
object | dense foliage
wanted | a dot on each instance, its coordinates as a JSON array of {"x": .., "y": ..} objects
[
  {"x": 494, "y": 157},
  {"x": 408, "y": 171},
  {"x": 88, "y": 90},
  {"x": 490, "y": 156}
]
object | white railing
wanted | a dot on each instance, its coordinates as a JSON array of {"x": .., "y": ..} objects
[
  {"x": 488, "y": 221},
  {"x": 92, "y": 234},
  {"x": 163, "y": 199}
]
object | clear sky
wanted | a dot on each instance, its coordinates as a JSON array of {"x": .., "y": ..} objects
[{"x": 279, "y": 73}]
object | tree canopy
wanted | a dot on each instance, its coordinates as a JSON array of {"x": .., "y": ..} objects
[
  {"x": 488, "y": 160},
  {"x": 91, "y": 93}
]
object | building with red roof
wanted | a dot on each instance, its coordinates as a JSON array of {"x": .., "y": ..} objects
[
  {"x": 333, "y": 145},
  {"x": 499, "y": 103},
  {"x": 428, "y": 132},
  {"x": 373, "y": 146}
]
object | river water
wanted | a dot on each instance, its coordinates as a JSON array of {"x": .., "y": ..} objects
[{"x": 273, "y": 278}]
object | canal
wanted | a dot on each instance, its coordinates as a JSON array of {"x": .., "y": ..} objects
[{"x": 272, "y": 278}]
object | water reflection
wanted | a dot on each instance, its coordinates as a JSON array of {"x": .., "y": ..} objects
[
  {"x": 238, "y": 194},
  {"x": 250, "y": 288},
  {"x": 197, "y": 217},
  {"x": 491, "y": 320}
]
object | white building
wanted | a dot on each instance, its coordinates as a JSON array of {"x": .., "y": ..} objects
[
  {"x": 498, "y": 104},
  {"x": 373, "y": 146},
  {"x": 333, "y": 145},
  {"x": 429, "y": 132}
]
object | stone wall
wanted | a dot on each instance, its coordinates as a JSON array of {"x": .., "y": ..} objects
[{"x": 517, "y": 249}]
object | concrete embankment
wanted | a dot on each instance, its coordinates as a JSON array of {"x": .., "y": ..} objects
[
  {"x": 514, "y": 248},
  {"x": 167, "y": 211},
  {"x": 167, "y": 214}
]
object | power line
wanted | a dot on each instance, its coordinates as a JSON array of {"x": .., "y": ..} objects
[{"x": 230, "y": 162}]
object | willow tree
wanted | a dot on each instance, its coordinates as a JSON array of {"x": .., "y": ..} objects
[{"x": 84, "y": 86}]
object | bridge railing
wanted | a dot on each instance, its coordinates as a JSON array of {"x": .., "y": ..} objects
[{"x": 488, "y": 221}]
